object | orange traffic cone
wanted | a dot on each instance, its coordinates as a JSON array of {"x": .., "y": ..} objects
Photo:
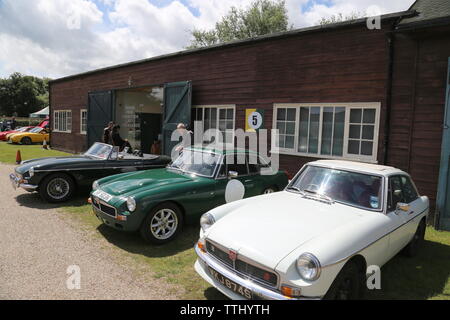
[{"x": 18, "y": 157}]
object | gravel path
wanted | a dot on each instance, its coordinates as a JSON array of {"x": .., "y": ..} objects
[{"x": 37, "y": 246}]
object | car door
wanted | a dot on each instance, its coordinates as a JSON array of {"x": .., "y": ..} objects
[
  {"x": 121, "y": 163},
  {"x": 399, "y": 229},
  {"x": 416, "y": 203},
  {"x": 232, "y": 163}
]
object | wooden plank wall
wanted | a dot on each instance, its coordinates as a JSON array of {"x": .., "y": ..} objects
[
  {"x": 340, "y": 65},
  {"x": 418, "y": 102}
]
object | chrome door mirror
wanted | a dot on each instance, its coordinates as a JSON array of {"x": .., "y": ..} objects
[
  {"x": 403, "y": 207},
  {"x": 232, "y": 174}
]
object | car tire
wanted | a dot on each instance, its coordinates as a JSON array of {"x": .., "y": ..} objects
[
  {"x": 57, "y": 188},
  {"x": 348, "y": 285},
  {"x": 412, "y": 248},
  {"x": 270, "y": 190},
  {"x": 162, "y": 224},
  {"x": 26, "y": 141}
]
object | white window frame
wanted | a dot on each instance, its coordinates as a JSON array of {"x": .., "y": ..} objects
[
  {"x": 349, "y": 107},
  {"x": 218, "y": 107},
  {"x": 57, "y": 121},
  {"x": 83, "y": 132}
]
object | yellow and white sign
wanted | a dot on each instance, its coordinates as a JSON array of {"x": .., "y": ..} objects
[{"x": 255, "y": 120}]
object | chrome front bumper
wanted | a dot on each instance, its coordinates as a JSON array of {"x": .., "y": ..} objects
[
  {"x": 205, "y": 260},
  {"x": 18, "y": 183}
]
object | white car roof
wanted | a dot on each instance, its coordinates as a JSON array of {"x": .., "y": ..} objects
[{"x": 359, "y": 166}]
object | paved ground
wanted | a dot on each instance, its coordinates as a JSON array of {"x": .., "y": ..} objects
[{"x": 37, "y": 246}]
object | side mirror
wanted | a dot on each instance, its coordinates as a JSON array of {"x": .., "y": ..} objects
[
  {"x": 403, "y": 207},
  {"x": 232, "y": 174}
]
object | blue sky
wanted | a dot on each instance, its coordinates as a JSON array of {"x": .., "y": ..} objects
[{"x": 56, "y": 38}]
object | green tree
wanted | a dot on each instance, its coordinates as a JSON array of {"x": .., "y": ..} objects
[
  {"x": 21, "y": 95},
  {"x": 262, "y": 17},
  {"x": 339, "y": 17}
]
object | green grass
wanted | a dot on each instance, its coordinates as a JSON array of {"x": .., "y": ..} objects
[
  {"x": 8, "y": 152},
  {"x": 173, "y": 262}
]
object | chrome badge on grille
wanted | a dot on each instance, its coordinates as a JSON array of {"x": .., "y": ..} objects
[{"x": 232, "y": 255}]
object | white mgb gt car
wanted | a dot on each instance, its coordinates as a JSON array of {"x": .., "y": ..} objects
[{"x": 317, "y": 238}]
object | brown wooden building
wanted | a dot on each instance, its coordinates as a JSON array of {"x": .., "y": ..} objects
[{"x": 342, "y": 91}]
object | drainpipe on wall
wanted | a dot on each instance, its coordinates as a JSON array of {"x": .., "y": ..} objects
[{"x": 387, "y": 123}]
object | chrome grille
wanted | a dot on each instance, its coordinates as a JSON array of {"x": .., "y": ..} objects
[
  {"x": 106, "y": 209},
  {"x": 251, "y": 271}
]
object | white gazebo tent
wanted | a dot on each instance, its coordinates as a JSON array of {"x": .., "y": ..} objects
[{"x": 41, "y": 114}]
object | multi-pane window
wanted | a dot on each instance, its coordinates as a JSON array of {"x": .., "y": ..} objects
[
  {"x": 362, "y": 131},
  {"x": 286, "y": 126},
  {"x": 328, "y": 130},
  {"x": 83, "y": 122},
  {"x": 62, "y": 121},
  {"x": 216, "y": 117}
]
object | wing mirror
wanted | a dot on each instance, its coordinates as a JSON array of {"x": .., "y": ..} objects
[
  {"x": 403, "y": 207},
  {"x": 232, "y": 174}
]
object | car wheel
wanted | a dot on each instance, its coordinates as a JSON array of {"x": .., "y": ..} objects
[
  {"x": 26, "y": 141},
  {"x": 269, "y": 190},
  {"x": 348, "y": 285},
  {"x": 162, "y": 224},
  {"x": 412, "y": 248},
  {"x": 57, "y": 188}
]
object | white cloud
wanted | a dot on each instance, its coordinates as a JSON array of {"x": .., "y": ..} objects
[{"x": 62, "y": 37}]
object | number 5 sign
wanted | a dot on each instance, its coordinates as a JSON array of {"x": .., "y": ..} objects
[{"x": 255, "y": 120}]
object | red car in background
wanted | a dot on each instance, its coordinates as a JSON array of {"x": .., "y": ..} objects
[{"x": 4, "y": 134}]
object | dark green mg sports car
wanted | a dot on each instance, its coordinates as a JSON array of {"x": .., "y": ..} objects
[
  {"x": 158, "y": 202},
  {"x": 57, "y": 178}
]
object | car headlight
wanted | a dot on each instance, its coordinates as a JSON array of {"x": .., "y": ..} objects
[
  {"x": 31, "y": 172},
  {"x": 95, "y": 185},
  {"x": 308, "y": 267},
  {"x": 131, "y": 204},
  {"x": 206, "y": 221}
]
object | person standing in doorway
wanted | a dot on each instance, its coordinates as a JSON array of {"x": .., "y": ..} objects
[{"x": 107, "y": 133}]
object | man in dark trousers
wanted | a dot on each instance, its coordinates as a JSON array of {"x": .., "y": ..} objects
[
  {"x": 107, "y": 132},
  {"x": 13, "y": 124}
]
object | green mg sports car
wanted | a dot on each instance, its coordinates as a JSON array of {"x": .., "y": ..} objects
[{"x": 158, "y": 202}]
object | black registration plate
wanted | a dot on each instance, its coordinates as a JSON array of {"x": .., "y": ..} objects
[{"x": 231, "y": 285}]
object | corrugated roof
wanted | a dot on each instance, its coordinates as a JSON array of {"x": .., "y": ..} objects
[
  {"x": 279, "y": 35},
  {"x": 428, "y": 10}
]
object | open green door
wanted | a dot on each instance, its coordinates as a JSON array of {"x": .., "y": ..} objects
[
  {"x": 177, "y": 109},
  {"x": 100, "y": 113},
  {"x": 443, "y": 196}
]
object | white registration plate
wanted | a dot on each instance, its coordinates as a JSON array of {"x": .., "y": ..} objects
[
  {"x": 102, "y": 195},
  {"x": 231, "y": 285}
]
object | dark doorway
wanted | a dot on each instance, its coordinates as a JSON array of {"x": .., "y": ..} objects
[{"x": 151, "y": 127}]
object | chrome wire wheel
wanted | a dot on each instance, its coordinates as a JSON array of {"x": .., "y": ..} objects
[
  {"x": 58, "y": 188},
  {"x": 164, "y": 224}
]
